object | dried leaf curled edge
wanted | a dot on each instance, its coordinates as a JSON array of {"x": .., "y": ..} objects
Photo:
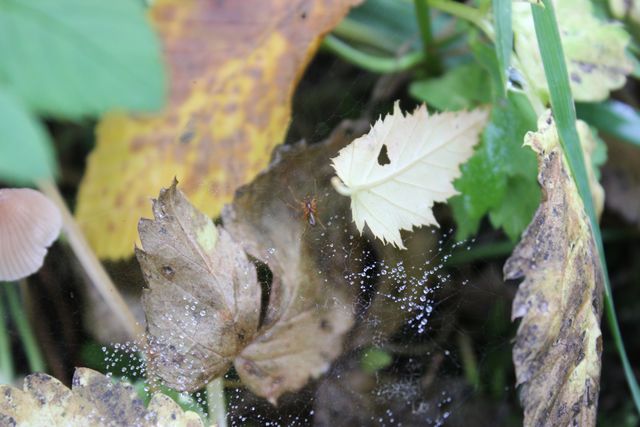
[
  {"x": 398, "y": 170},
  {"x": 559, "y": 343}
]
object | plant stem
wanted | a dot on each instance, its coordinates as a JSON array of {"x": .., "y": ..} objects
[
  {"x": 6, "y": 358},
  {"x": 370, "y": 62},
  {"x": 360, "y": 33},
  {"x": 482, "y": 252},
  {"x": 29, "y": 342},
  {"x": 423, "y": 15},
  {"x": 216, "y": 402},
  {"x": 92, "y": 265},
  {"x": 465, "y": 12},
  {"x": 469, "y": 363}
]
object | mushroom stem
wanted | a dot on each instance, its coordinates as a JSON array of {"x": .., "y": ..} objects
[{"x": 92, "y": 266}]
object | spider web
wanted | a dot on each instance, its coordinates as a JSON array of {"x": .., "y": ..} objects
[{"x": 431, "y": 342}]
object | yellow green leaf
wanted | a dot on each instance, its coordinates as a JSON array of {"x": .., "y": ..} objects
[
  {"x": 233, "y": 68},
  {"x": 623, "y": 9},
  {"x": 594, "y": 50},
  {"x": 559, "y": 343}
]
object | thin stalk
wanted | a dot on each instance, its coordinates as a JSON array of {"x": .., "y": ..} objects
[
  {"x": 216, "y": 402},
  {"x": 423, "y": 15},
  {"x": 360, "y": 33},
  {"x": 29, "y": 342},
  {"x": 6, "y": 357},
  {"x": 482, "y": 252},
  {"x": 462, "y": 11},
  {"x": 370, "y": 62},
  {"x": 469, "y": 363},
  {"x": 92, "y": 266}
]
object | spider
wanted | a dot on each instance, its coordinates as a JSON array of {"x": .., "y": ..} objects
[{"x": 309, "y": 207}]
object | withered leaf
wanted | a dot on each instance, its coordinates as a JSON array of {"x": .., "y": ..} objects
[
  {"x": 558, "y": 344},
  {"x": 193, "y": 278},
  {"x": 94, "y": 400},
  {"x": 233, "y": 68},
  {"x": 310, "y": 304},
  {"x": 202, "y": 304}
]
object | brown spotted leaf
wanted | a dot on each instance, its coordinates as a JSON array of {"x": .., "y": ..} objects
[
  {"x": 233, "y": 67},
  {"x": 203, "y": 301},
  {"x": 558, "y": 344},
  {"x": 310, "y": 304},
  {"x": 94, "y": 400}
]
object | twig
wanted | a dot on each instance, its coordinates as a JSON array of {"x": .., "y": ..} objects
[
  {"x": 216, "y": 403},
  {"x": 92, "y": 266}
]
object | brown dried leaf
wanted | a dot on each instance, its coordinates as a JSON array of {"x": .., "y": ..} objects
[
  {"x": 202, "y": 304},
  {"x": 234, "y": 66},
  {"x": 310, "y": 306},
  {"x": 309, "y": 309},
  {"x": 94, "y": 400},
  {"x": 558, "y": 345}
]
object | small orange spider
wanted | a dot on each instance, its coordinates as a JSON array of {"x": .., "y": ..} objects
[{"x": 309, "y": 207}]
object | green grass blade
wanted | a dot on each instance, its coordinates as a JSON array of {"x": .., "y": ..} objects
[
  {"x": 614, "y": 118},
  {"x": 564, "y": 112},
  {"x": 504, "y": 37}
]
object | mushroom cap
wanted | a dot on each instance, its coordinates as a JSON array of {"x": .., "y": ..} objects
[{"x": 29, "y": 223}]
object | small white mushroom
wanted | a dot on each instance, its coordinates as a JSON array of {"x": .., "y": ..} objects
[{"x": 29, "y": 223}]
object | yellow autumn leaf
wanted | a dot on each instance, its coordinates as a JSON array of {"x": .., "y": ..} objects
[
  {"x": 559, "y": 343},
  {"x": 398, "y": 170},
  {"x": 233, "y": 68}
]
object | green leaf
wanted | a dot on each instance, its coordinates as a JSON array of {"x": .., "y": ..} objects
[
  {"x": 375, "y": 359},
  {"x": 482, "y": 188},
  {"x": 516, "y": 209},
  {"x": 614, "y": 118},
  {"x": 504, "y": 37},
  {"x": 26, "y": 153},
  {"x": 485, "y": 55},
  {"x": 72, "y": 58},
  {"x": 499, "y": 167},
  {"x": 462, "y": 87}
]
